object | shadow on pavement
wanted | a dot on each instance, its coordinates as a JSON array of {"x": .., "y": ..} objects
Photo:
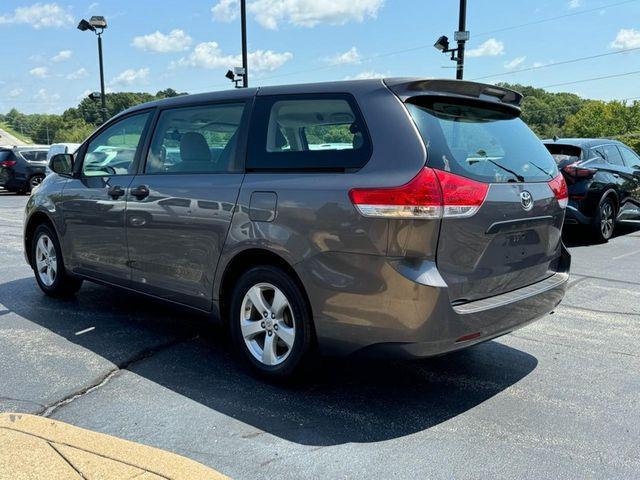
[
  {"x": 347, "y": 400},
  {"x": 580, "y": 236}
]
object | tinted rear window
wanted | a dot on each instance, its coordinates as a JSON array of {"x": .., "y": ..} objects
[
  {"x": 564, "y": 153},
  {"x": 485, "y": 144},
  {"x": 4, "y": 155}
]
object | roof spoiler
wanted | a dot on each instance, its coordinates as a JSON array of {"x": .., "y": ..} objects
[{"x": 410, "y": 87}]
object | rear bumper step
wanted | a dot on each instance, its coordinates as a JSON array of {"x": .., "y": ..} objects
[{"x": 512, "y": 297}]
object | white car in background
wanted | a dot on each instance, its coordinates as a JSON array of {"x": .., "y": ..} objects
[{"x": 57, "y": 148}]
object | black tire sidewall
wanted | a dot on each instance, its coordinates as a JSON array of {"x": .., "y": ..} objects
[
  {"x": 596, "y": 227},
  {"x": 304, "y": 330},
  {"x": 58, "y": 287}
]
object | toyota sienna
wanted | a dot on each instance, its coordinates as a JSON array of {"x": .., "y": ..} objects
[{"x": 396, "y": 217}]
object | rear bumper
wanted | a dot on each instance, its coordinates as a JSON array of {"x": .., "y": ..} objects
[
  {"x": 573, "y": 216},
  {"x": 402, "y": 310}
]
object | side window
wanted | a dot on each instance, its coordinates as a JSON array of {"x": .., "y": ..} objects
[
  {"x": 612, "y": 154},
  {"x": 630, "y": 158},
  {"x": 196, "y": 140},
  {"x": 308, "y": 132},
  {"x": 113, "y": 151},
  {"x": 41, "y": 156},
  {"x": 29, "y": 156}
]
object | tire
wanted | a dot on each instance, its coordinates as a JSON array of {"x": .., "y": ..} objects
[
  {"x": 287, "y": 326},
  {"x": 35, "y": 180},
  {"x": 48, "y": 265},
  {"x": 604, "y": 221}
]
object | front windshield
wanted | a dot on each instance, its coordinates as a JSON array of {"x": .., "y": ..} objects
[{"x": 481, "y": 143}]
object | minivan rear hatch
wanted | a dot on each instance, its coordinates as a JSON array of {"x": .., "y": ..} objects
[{"x": 514, "y": 238}]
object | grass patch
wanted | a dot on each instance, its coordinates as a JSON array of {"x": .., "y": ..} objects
[{"x": 11, "y": 131}]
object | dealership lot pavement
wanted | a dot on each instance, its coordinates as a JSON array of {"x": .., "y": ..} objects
[{"x": 560, "y": 398}]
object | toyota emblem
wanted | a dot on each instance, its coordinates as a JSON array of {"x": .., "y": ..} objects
[{"x": 527, "y": 200}]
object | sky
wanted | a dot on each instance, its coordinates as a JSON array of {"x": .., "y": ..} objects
[{"x": 49, "y": 65}]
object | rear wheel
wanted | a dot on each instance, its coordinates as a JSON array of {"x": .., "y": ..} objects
[
  {"x": 35, "y": 180},
  {"x": 604, "y": 221},
  {"x": 270, "y": 323},
  {"x": 48, "y": 265}
]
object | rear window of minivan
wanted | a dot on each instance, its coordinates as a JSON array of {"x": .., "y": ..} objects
[{"x": 480, "y": 142}]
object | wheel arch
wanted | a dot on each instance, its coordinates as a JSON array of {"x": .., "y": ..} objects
[
  {"x": 245, "y": 260},
  {"x": 36, "y": 219},
  {"x": 611, "y": 192}
]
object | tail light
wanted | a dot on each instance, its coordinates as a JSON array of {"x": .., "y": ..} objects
[
  {"x": 8, "y": 163},
  {"x": 431, "y": 194},
  {"x": 576, "y": 171},
  {"x": 559, "y": 188}
]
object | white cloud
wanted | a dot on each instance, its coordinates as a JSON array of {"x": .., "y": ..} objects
[
  {"x": 626, "y": 38},
  {"x": 226, "y": 10},
  {"x": 176, "y": 41},
  {"x": 78, "y": 74},
  {"x": 366, "y": 75},
  {"x": 40, "y": 72},
  {"x": 16, "y": 92},
  {"x": 490, "y": 48},
  {"x": 346, "y": 58},
  {"x": 92, "y": 6},
  {"x": 131, "y": 76},
  {"x": 39, "y": 15},
  {"x": 575, "y": 3},
  {"x": 208, "y": 55},
  {"x": 62, "y": 55},
  {"x": 515, "y": 63},
  {"x": 309, "y": 13},
  {"x": 44, "y": 96}
]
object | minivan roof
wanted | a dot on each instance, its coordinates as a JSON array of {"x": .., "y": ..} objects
[{"x": 403, "y": 87}]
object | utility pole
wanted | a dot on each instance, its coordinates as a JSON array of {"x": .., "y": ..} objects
[
  {"x": 97, "y": 24},
  {"x": 243, "y": 20},
  {"x": 461, "y": 36}
]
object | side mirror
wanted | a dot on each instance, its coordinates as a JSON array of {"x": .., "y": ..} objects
[{"x": 62, "y": 164}]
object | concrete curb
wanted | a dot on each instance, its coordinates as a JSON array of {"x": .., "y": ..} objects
[{"x": 33, "y": 447}]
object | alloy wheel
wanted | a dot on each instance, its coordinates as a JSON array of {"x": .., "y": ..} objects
[
  {"x": 46, "y": 260},
  {"x": 267, "y": 324},
  {"x": 35, "y": 181},
  {"x": 606, "y": 219}
]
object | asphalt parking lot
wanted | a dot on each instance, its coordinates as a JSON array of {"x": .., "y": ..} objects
[{"x": 559, "y": 398}]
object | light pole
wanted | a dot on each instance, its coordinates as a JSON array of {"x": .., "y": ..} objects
[
  {"x": 241, "y": 74},
  {"x": 461, "y": 36},
  {"x": 97, "y": 25},
  {"x": 243, "y": 21}
]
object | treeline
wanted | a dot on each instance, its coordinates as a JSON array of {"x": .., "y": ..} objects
[
  {"x": 75, "y": 124},
  {"x": 568, "y": 115},
  {"x": 548, "y": 114}
]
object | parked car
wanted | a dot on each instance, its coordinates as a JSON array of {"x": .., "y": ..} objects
[
  {"x": 603, "y": 177},
  {"x": 57, "y": 148},
  {"x": 433, "y": 224},
  {"x": 22, "y": 168}
]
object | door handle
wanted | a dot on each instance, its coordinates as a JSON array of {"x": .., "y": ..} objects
[
  {"x": 616, "y": 175},
  {"x": 115, "y": 192},
  {"x": 140, "y": 192}
]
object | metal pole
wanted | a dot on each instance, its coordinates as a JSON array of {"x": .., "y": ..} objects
[
  {"x": 243, "y": 20},
  {"x": 102, "y": 95},
  {"x": 462, "y": 26}
]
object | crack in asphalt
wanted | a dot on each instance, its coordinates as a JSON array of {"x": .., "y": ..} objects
[
  {"x": 595, "y": 310},
  {"x": 49, "y": 410}
]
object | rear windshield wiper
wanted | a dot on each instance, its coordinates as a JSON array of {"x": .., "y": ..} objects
[
  {"x": 520, "y": 178},
  {"x": 541, "y": 169}
]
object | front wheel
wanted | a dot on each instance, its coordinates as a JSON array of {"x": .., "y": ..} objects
[
  {"x": 604, "y": 221},
  {"x": 270, "y": 323},
  {"x": 48, "y": 265}
]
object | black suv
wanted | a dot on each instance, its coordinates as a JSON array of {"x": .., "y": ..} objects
[
  {"x": 603, "y": 177},
  {"x": 22, "y": 168}
]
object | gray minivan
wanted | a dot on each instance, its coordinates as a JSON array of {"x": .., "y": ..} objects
[{"x": 395, "y": 217}]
